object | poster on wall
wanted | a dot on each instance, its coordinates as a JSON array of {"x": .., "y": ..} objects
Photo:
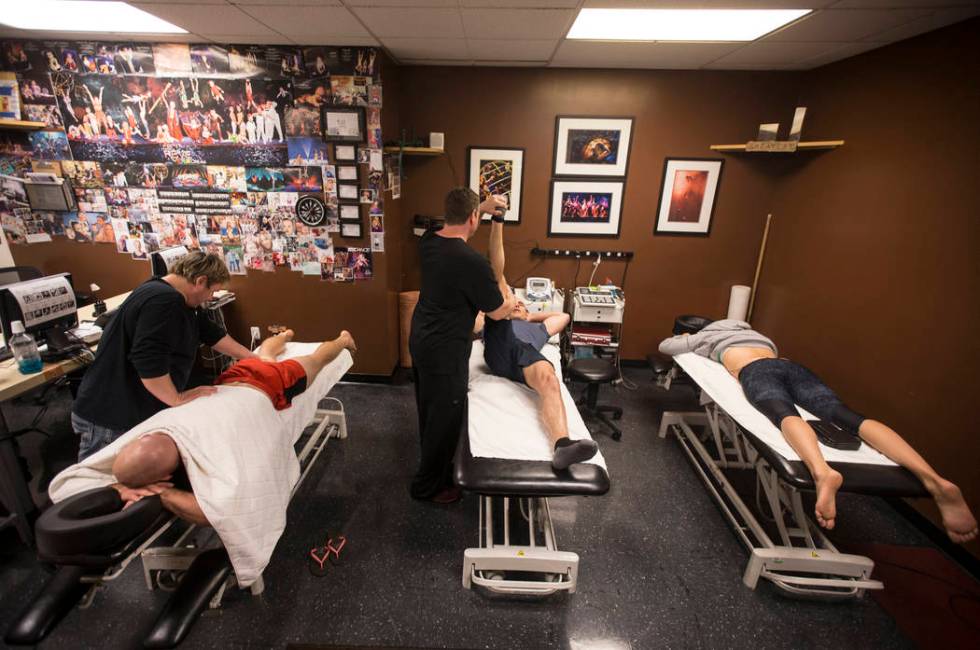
[
  {"x": 498, "y": 171},
  {"x": 687, "y": 196},
  {"x": 168, "y": 119},
  {"x": 592, "y": 146},
  {"x": 586, "y": 208}
]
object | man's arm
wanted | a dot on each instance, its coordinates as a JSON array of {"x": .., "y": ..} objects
[
  {"x": 233, "y": 348},
  {"x": 479, "y": 323},
  {"x": 164, "y": 390},
  {"x": 184, "y": 505},
  {"x": 678, "y": 344},
  {"x": 505, "y": 309}
]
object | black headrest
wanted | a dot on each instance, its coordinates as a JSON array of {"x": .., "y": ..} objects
[{"x": 690, "y": 324}]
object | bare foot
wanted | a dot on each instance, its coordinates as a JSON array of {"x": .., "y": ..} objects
[
  {"x": 960, "y": 524},
  {"x": 348, "y": 340},
  {"x": 826, "y": 508}
]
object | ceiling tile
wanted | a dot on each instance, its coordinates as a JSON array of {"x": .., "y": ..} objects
[
  {"x": 434, "y": 22},
  {"x": 516, "y": 23},
  {"x": 183, "y": 2},
  {"x": 402, "y": 3},
  {"x": 844, "y": 25},
  {"x": 501, "y": 50},
  {"x": 213, "y": 19},
  {"x": 925, "y": 24},
  {"x": 671, "y": 56},
  {"x": 427, "y": 48},
  {"x": 521, "y": 4},
  {"x": 317, "y": 25},
  {"x": 893, "y": 4},
  {"x": 437, "y": 62},
  {"x": 845, "y": 51},
  {"x": 332, "y": 39},
  {"x": 766, "y": 53},
  {"x": 708, "y": 4},
  {"x": 269, "y": 38},
  {"x": 293, "y": 3}
]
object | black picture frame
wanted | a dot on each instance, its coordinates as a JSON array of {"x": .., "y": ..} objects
[
  {"x": 349, "y": 228},
  {"x": 657, "y": 228},
  {"x": 344, "y": 188},
  {"x": 356, "y": 170},
  {"x": 341, "y": 147},
  {"x": 517, "y": 155},
  {"x": 593, "y": 182},
  {"x": 590, "y": 171},
  {"x": 349, "y": 205},
  {"x": 327, "y": 111}
]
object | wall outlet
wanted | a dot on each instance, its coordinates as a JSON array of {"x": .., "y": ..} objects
[{"x": 256, "y": 333}]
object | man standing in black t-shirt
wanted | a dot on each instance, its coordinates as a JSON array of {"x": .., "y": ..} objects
[
  {"x": 457, "y": 282},
  {"x": 148, "y": 349}
]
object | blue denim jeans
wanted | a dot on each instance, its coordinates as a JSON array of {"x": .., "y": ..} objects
[{"x": 92, "y": 437}]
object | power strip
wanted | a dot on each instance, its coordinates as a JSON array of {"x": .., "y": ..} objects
[{"x": 606, "y": 255}]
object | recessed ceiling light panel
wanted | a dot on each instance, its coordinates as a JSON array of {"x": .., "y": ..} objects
[
  {"x": 83, "y": 16},
  {"x": 680, "y": 24}
]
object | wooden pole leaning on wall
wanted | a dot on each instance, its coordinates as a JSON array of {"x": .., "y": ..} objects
[{"x": 758, "y": 267}]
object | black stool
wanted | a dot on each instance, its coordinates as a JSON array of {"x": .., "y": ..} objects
[{"x": 595, "y": 372}]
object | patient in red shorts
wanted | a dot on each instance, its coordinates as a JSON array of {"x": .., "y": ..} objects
[{"x": 281, "y": 381}]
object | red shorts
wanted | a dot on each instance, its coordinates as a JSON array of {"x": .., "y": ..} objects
[{"x": 280, "y": 380}]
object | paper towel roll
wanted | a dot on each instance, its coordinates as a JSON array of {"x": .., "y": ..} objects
[{"x": 738, "y": 303}]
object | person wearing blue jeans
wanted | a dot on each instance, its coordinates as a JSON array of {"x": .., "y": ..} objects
[{"x": 774, "y": 386}]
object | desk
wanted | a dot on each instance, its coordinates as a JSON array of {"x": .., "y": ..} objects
[{"x": 13, "y": 485}]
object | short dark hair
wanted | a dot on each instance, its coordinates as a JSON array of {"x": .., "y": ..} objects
[{"x": 460, "y": 204}]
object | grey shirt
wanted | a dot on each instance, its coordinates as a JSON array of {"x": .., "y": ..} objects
[{"x": 714, "y": 339}]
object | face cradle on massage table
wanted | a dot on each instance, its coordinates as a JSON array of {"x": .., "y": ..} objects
[{"x": 95, "y": 557}]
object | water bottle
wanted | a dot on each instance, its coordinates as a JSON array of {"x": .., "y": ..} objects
[{"x": 24, "y": 349}]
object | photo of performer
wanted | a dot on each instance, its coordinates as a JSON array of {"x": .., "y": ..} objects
[{"x": 587, "y": 207}]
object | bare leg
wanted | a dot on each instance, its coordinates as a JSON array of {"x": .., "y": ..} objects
[
  {"x": 324, "y": 354},
  {"x": 273, "y": 346},
  {"x": 960, "y": 524},
  {"x": 803, "y": 440},
  {"x": 497, "y": 249},
  {"x": 541, "y": 377}
]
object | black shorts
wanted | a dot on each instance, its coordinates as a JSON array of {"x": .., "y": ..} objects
[{"x": 509, "y": 360}]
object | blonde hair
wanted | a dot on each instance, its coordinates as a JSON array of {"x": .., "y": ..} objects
[{"x": 198, "y": 263}]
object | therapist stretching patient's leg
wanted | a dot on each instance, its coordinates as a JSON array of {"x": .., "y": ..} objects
[
  {"x": 512, "y": 349},
  {"x": 145, "y": 466}
]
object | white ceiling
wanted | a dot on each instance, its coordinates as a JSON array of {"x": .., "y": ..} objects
[{"x": 531, "y": 32}]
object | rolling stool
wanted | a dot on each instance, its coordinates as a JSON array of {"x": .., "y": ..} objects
[{"x": 595, "y": 372}]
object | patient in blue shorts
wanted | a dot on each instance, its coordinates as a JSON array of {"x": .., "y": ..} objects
[{"x": 512, "y": 349}]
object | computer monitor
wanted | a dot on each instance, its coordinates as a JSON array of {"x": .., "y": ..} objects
[
  {"x": 162, "y": 261},
  {"x": 46, "y": 306}
]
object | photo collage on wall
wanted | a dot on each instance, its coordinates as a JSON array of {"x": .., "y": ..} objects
[{"x": 218, "y": 147}]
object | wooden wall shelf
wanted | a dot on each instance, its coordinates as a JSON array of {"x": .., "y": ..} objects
[
  {"x": 22, "y": 125},
  {"x": 415, "y": 151},
  {"x": 802, "y": 146}
]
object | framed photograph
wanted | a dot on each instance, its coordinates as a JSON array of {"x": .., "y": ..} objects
[
  {"x": 347, "y": 173},
  {"x": 687, "y": 196},
  {"x": 592, "y": 146},
  {"x": 347, "y": 191},
  {"x": 368, "y": 195},
  {"x": 343, "y": 124},
  {"x": 350, "y": 212},
  {"x": 586, "y": 208},
  {"x": 351, "y": 230},
  {"x": 344, "y": 152},
  {"x": 498, "y": 171}
]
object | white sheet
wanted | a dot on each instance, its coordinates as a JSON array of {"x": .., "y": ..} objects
[
  {"x": 725, "y": 390},
  {"x": 239, "y": 456},
  {"x": 503, "y": 415}
]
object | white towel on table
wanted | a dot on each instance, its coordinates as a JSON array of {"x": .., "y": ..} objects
[{"x": 239, "y": 456}]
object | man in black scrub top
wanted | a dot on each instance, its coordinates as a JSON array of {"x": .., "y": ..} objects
[
  {"x": 457, "y": 282},
  {"x": 148, "y": 349}
]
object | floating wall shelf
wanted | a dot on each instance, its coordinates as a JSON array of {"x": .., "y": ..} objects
[
  {"x": 22, "y": 125},
  {"x": 415, "y": 151},
  {"x": 801, "y": 146}
]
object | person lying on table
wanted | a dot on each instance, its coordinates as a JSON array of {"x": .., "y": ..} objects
[
  {"x": 145, "y": 466},
  {"x": 512, "y": 349},
  {"x": 774, "y": 386}
]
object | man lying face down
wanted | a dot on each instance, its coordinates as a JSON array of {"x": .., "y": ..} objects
[
  {"x": 512, "y": 349},
  {"x": 145, "y": 466},
  {"x": 774, "y": 386}
]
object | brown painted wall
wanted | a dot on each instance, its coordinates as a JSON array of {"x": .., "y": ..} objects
[
  {"x": 676, "y": 114},
  {"x": 872, "y": 273}
]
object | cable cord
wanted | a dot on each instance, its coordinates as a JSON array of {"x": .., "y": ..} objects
[{"x": 627, "y": 384}]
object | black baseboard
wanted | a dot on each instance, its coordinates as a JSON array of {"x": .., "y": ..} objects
[
  {"x": 634, "y": 363},
  {"x": 937, "y": 536}
]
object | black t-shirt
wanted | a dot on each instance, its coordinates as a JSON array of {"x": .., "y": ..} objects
[
  {"x": 457, "y": 282},
  {"x": 154, "y": 333}
]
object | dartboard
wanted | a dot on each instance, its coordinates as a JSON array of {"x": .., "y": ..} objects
[{"x": 310, "y": 210}]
